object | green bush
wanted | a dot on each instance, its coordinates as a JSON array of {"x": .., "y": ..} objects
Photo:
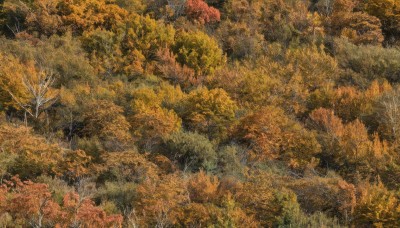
[{"x": 192, "y": 150}]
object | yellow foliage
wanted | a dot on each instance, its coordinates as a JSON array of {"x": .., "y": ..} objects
[
  {"x": 104, "y": 119},
  {"x": 209, "y": 111},
  {"x": 377, "y": 206}
]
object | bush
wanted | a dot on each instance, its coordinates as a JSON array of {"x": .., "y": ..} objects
[{"x": 192, "y": 150}]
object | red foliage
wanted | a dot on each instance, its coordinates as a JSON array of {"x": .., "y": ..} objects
[
  {"x": 33, "y": 203},
  {"x": 29, "y": 201},
  {"x": 199, "y": 10}
]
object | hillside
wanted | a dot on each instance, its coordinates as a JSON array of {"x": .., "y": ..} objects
[{"x": 199, "y": 113}]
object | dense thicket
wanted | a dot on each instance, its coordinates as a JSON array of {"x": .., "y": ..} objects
[{"x": 199, "y": 113}]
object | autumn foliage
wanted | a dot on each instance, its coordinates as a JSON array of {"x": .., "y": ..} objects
[
  {"x": 199, "y": 113},
  {"x": 199, "y": 10},
  {"x": 31, "y": 204}
]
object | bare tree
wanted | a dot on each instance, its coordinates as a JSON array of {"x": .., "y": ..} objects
[
  {"x": 178, "y": 6},
  {"x": 389, "y": 114},
  {"x": 41, "y": 94}
]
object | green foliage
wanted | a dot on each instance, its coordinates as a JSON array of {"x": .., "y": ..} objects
[
  {"x": 121, "y": 194},
  {"x": 62, "y": 54},
  {"x": 146, "y": 35},
  {"x": 230, "y": 160},
  {"x": 366, "y": 63},
  {"x": 193, "y": 151}
]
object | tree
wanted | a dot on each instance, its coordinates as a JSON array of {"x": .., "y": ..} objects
[
  {"x": 283, "y": 21},
  {"x": 48, "y": 17},
  {"x": 313, "y": 66},
  {"x": 269, "y": 206},
  {"x": 74, "y": 165},
  {"x": 88, "y": 15},
  {"x": 198, "y": 10},
  {"x": 363, "y": 29},
  {"x": 203, "y": 188},
  {"x": 198, "y": 51},
  {"x": 104, "y": 119},
  {"x": 104, "y": 51},
  {"x": 208, "y": 111},
  {"x": 251, "y": 85},
  {"x": 61, "y": 55},
  {"x": 133, "y": 6},
  {"x": 376, "y": 206},
  {"x": 11, "y": 72},
  {"x": 193, "y": 151},
  {"x": 366, "y": 63},
  {"x": 29, "y": 87},
  {"x": 239, "y": 40},
  {"x": 330, "y": 194},
  {"x": 129, "y": 48},
  {"x": 388, "y": 114},
  {"x": 39, "y": 17},
  {"x": 146, "y": 36},
  {"x": 151, "y": 122},
  {"x": 155, "y": 123},
  {"x": 31, "y": 204},
  {"x": 350, "y": 103},
  {"x": 29, "y": 151},
  {"x": 41, "y": 94},
  {"x": 342, "y": 19},
  {"x": 158, "y": 200},
  {"x": 174, "y": 72},
  {"x": 270, "y": 134},
  {"x": 347, "y": 147},
  {"x": 127, "y": 166},
  {"x": 83, "y": 212},
  {"x": 388, "y": 13}
]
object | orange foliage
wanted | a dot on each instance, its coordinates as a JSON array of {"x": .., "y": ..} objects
[
  {"x": 104, "y": 119},
  {"x": 171, "y": 70},
  {"x": 348, "y": 147},
  {"x": 32, "y": 203},
  {"x": 75, "y": 164},
  {"x": 203, "y": 188},
  {"x": 324, "y": 194},
  {"x": 86, "y": 214},
  {"x": 158, "y": 200},
  {"x": 270, "y": 134},
  {"x": 35, "y": 155}
]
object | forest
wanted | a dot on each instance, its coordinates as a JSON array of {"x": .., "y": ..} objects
[{"x": 199, "y": 113}]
